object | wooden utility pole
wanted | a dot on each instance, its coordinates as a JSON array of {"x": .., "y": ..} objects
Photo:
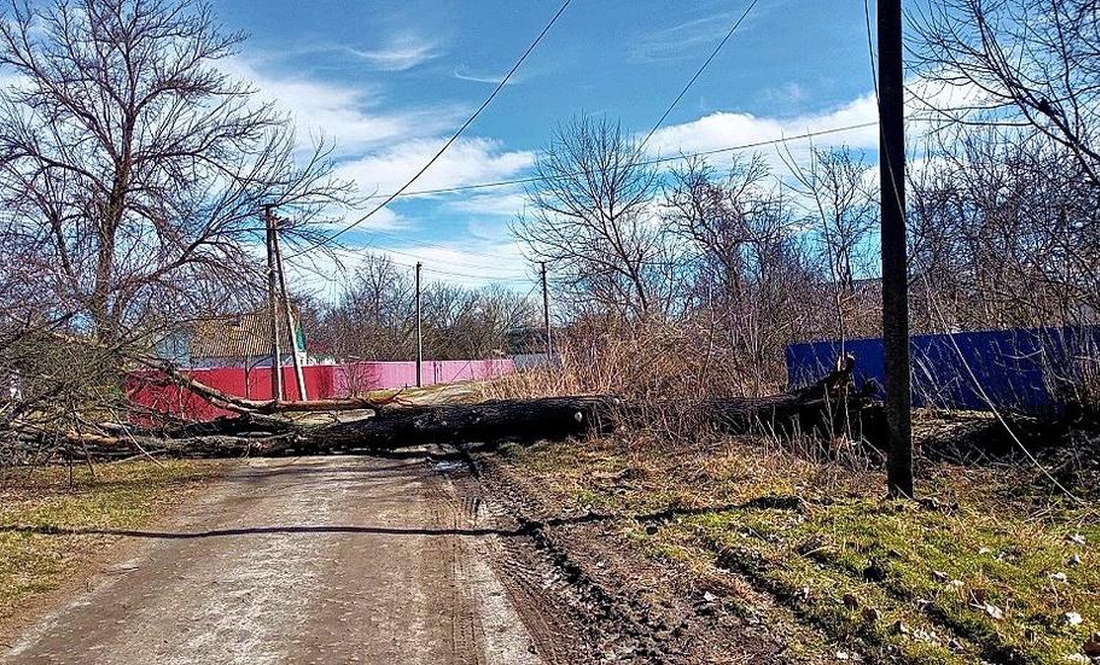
[
  {"x": 895, "y": 273},
  {"x": 291, "y": 328},
  {"x": 419, "y": 334},
  {"x": 546, "y": 314},
  {"x": 272, "y": 307}
]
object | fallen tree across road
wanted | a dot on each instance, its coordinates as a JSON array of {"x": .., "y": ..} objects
[{"x": 825, "y": 408}]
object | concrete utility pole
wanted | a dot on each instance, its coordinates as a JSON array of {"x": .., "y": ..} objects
[
  {"x": 291, "y": 328},
  {"x": 272, "y": 307},
  {"x": 546, "y": 314},
  {"x": 419, "y": 334},
  {"x": 895, "y": 273}
]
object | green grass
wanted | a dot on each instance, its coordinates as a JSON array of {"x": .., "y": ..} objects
[
  {"x": 965, "y": 579},
  {"x": 120, "y": 496}
]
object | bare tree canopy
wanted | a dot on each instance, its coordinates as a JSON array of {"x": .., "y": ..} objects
[
  {"x": 592, "y": 217},
  {"x": 1028, "y": 63},
  {"x": 749, "y": 273},
  {"x": 375, "y": 318},
  {"x": 131, "y": 168},
  {"x": 1006, "y": 230}
]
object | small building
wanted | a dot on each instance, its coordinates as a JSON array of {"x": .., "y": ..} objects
[{"x": 233, "y": 340}]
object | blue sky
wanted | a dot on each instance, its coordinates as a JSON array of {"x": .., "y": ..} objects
[{"x": 389, "y": 81}]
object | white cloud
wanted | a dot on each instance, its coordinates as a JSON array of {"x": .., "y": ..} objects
[
  {"x": 403, "y": 52},
  {"x": 474, "y": 262},
  {"x": 348, "y": 116},
  {"x": 384, "y": 219},
  {"x": 503, "y": 202},
  {"x": 680, "y": 40},
  {"x": 467, "y": 161},
  {"x": 725, "y": 129},
  {"x": 464, "y": 73}
]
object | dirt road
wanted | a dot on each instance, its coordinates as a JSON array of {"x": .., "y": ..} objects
[{"x": 312, "y": 560}]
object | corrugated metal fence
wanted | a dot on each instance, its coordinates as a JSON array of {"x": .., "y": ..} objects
[{"x": 1030, "y": 370}]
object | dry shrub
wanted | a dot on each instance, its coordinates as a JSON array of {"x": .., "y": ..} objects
[
  {"x": 656, "y": 361},
  {"x": 666, "y": 371}
]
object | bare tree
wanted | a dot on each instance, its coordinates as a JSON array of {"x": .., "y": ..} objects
[
  {"x": 1005, "y": 224},
  {"x": 844, "y": 203},
  {"x": 748, "y": 267},
  {"x": 131, "y": 168},
  {"x": 374, "y": 318},
  {"x": 1033, "y": 63},
  {"x": 591, "y": 217}
]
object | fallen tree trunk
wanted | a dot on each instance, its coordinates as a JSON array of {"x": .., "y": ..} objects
[
  {"x": 826, "y": 408},
  {"x": 829, "y": 407},
  {"x": 169, "y": 375},
  {"x": 552, "y": 418}
]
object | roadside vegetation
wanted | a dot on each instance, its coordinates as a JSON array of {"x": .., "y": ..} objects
[
  {"x": 988, "y": 567},
  {"x": 40, "y": 506}
]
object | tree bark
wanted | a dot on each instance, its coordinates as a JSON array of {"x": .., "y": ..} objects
[{"x": 826, "y": 408}]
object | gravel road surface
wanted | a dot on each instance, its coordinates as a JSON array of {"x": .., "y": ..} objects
[{"x": 310, "y": 560}]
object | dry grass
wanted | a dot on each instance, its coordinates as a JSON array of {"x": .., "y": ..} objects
[
  {"x": 976, "y": 574},
  {"x": 120, "y": 496},
  {"x": 644, "y": 361}
]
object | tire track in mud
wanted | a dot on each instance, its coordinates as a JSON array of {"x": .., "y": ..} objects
[
  {"x": 606, "y": 607},
  {"x": 489, "y": 621},
  {"x": 600, "y": 624}
]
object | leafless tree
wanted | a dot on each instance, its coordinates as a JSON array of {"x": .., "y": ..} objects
[
  {"x": 748, "y": 266},
  {"x": 843, "y": 201},
  {"x": 375, "y": 317},
  {"x": 132, "y": 170},
  {"x": 592, "y": 218},
  {"x": 1005, "y": 230},
  {"x": 1033, "y": 63}
]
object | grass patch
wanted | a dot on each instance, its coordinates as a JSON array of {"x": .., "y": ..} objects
[
  {"x": 983, "y": 572},
  {"x": 120, "y": 496}
]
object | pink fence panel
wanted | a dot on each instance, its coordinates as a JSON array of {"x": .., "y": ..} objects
[{"x": 356, "y": 378}]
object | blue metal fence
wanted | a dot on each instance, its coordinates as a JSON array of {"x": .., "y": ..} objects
[{"x": 1026, "y": 370}]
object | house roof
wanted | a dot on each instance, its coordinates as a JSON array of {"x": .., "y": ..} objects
[{"x": 246, "y": 335}]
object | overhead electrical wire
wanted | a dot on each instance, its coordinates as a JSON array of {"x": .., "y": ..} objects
[
  {"x": 454, "y": 137},
  {"x": 446, "y": 262},
  {"x": 698, "y": 73},
  {"x": 435, "y": 245},
  {"x": 648, "y": 162}
]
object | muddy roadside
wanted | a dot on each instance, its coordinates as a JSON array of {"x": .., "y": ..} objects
[
  {"x": 739, "y": 550},
  {"x": 584, "y": 581}
]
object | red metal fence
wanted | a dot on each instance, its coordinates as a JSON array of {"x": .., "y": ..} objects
[{"x": 322, "y": 382}]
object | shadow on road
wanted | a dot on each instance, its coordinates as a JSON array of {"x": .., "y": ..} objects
[
  {"x": 525, "y": 528},
  {"x": 46, "y": 530}
]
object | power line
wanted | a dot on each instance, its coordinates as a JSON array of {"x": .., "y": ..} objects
[
  {"x": 454, "y": 137},
  {"x": 515, "y": 280},
  {"x": 466, "y": 275},
  {"x": 698, "y": 73},
  {"x": 648, "y": 162},
  {"x": 444, "y": 261}
]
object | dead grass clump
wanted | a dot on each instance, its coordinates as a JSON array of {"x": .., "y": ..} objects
[{"x": 647, "y": 360}]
